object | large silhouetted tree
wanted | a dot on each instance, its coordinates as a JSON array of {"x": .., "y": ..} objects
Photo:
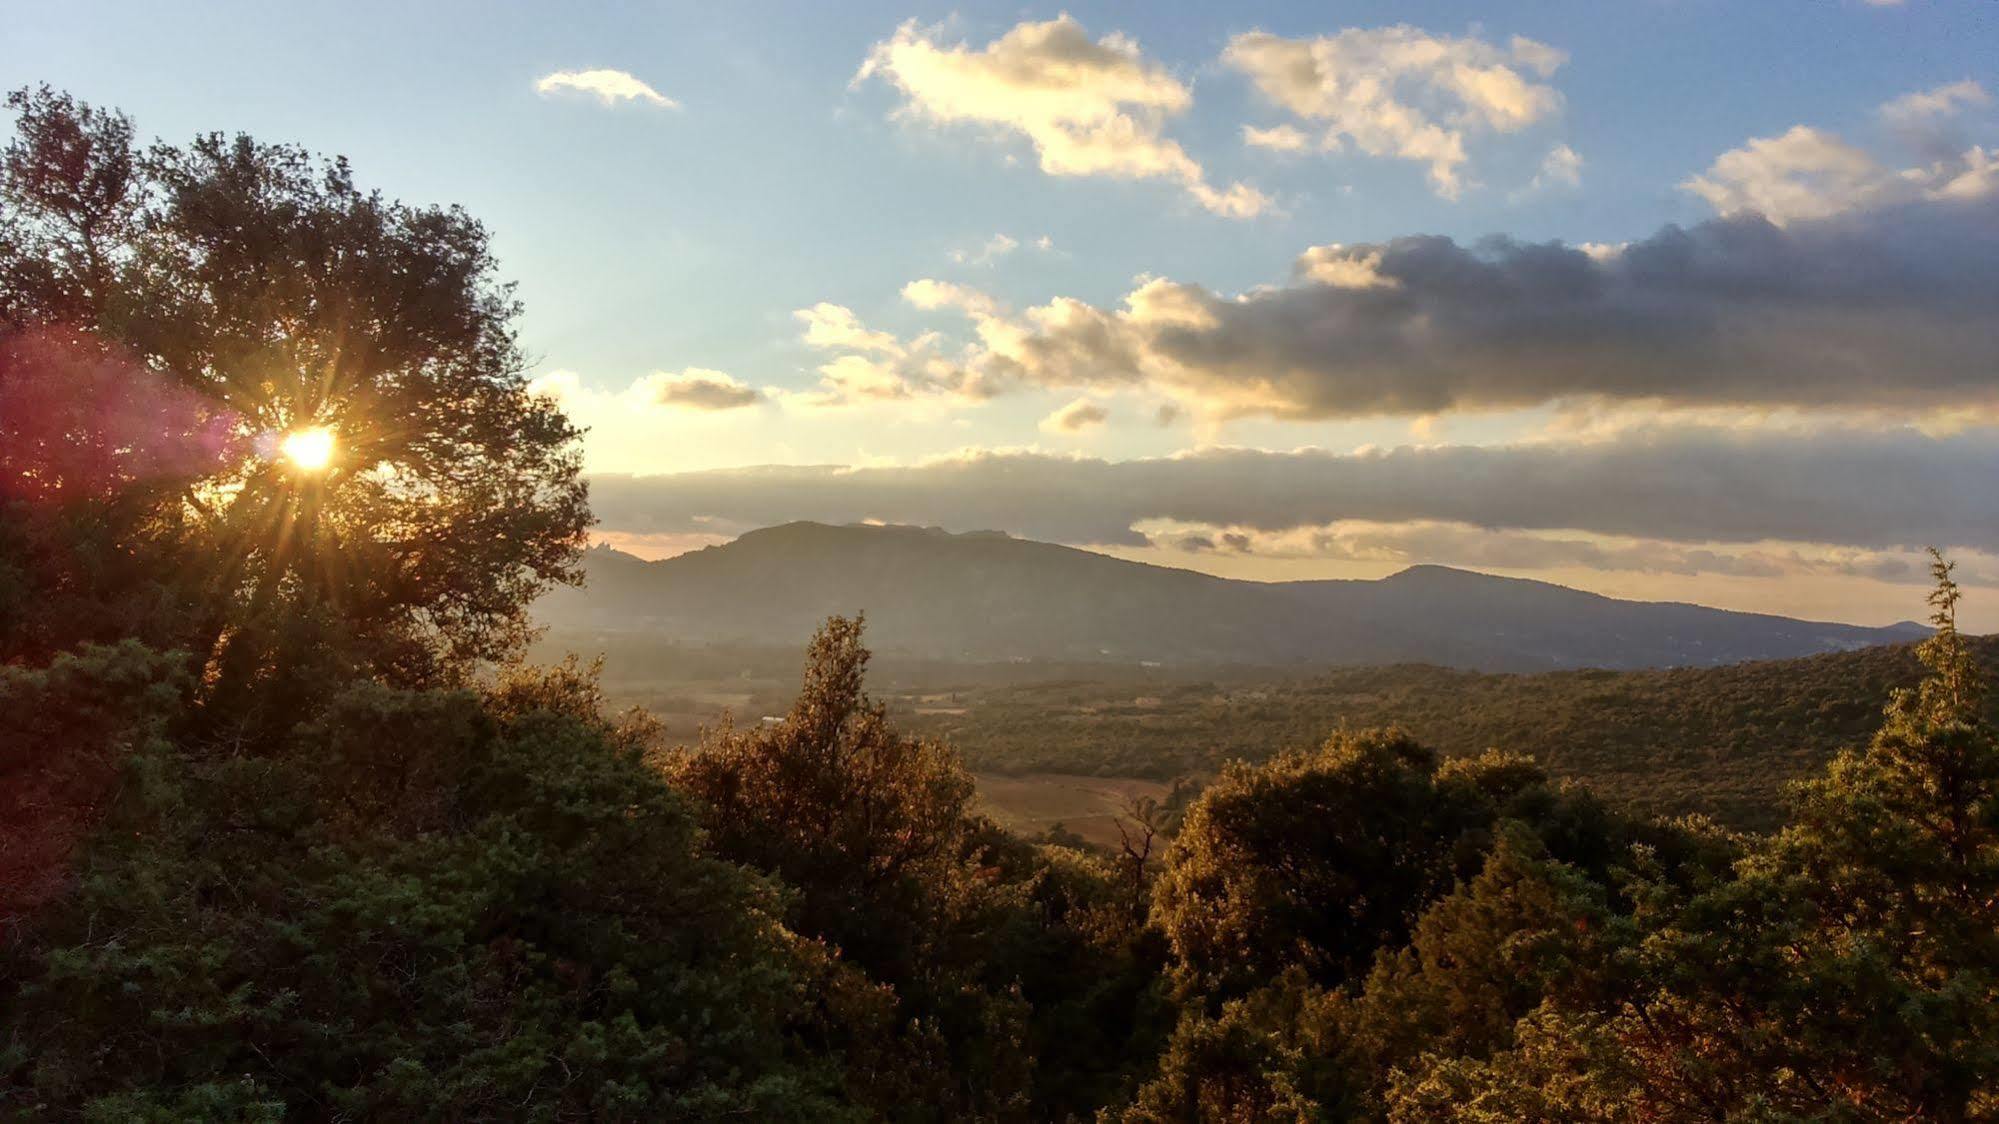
[{"x": 168, "y": 316}]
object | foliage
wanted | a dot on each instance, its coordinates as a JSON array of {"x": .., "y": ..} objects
[
  {"x": 166, "y": 316},
  {"x": 834, "y": 799},
  {"x": 1843, "y": 969},
  {"x": 425, "y": 907},
  {"x": 65, "y": 731},
  {"x": 1721, "y": 741},
  {"x": 993, "y": 948},
  {"x": 1317, "y": 861}
]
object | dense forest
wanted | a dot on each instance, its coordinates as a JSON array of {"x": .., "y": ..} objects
[
  {"x": 1723, "y": 741},
  {"x": 287, "y": 831}
]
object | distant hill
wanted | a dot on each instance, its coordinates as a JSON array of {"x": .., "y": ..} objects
[{"x": 986, "y": 597}]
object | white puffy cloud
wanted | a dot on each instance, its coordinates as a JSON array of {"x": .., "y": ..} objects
[
  {"x": 929, "y": 293},
  {"x": 1924, "y": 106},
  {"x": 1343, "y": 268},
  {"x": 1089, "y": 107},
  {"x": 1402, "y": 92},
  {"x": 834, "y": 326},
  {"x": 1076, "y": 417},
  {"x": 873, "y": 365},
  {"x": 1804, "y": 174},
  {"x": 608, "y": 86},
  {"x": 1807, "y": 173},
  {"x": 1562, "y": 167}
]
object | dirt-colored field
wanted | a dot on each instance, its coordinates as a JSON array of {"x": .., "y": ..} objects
[{"x": 1031, "y": 803}]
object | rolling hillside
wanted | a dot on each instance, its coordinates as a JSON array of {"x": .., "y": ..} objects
[{"x": 988, "y": 597}]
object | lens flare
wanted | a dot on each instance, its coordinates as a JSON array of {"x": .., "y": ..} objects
[{"x": 309, "y": 449}]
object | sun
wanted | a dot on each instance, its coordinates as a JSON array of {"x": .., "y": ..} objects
[{"x": 309, "y": 449}]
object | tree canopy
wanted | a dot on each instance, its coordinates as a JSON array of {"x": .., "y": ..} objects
[{"x": 169, "y": 317}]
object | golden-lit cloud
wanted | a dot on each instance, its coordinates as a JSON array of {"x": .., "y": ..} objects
[
  {"x": 834, "y": 326},
  {"x": 1807, "y": 173},
  {"x": 1090, "y": 107},
  {"x": 1399, "y": 92},
  {"x": 872, "y": 365},
  {"x": 1731, "y": 313},
  {"x": 610, "y": 87},
  {"x": 1076, "y": 417}
]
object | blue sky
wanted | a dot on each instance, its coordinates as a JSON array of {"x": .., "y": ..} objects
[{"x": 647, "y": 238}]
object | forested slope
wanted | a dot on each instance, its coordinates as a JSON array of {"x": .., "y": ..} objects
[{"x": 1721, "y": 740}]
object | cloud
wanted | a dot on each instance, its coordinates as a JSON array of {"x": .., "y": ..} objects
[
  {"x": 1928, "y": 122},
  {"x": 697, "y": 388},
  {"x": 1939, "y": 101},
  {"x": 988, "y": 252},
  {"x": 1463, "y": 544},
  {"x": 830, "y": 325},
  {"x": 1402, "y": 92},
  {"x": 1278, "y": 138},
  {"x": 1804, "y": 174},
  {"x": 1828, "y": 284},
  {"x": 1562, "y": 167},
  {"x": 1077, "y": 416},
  {"x": 1807, "y": 173},
  {"x": 930, "y": 294},
  {"x": 875, "y": 365},
  {"x": 608, "y": 86},
  {"x": 1089, "y": 107},
  {"x": 1886, "y": 311},
  {"x": 1864, "y": 489},
  {"x": 1343, "y": 268}
]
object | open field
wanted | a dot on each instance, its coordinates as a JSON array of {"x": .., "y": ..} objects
[{"x": 1031, "y": 803}]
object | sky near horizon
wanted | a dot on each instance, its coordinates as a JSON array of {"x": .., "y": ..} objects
[{"x": 1668, "y": 299}]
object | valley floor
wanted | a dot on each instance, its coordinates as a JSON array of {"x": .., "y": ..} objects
[{"x": 1031, "y": 804}]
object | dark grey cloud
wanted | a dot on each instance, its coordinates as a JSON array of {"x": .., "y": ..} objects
[
  {"x": 702, "y": 390},
  {"x": 1891, "y": 308},
  {"x": 1895, "y": 489}
]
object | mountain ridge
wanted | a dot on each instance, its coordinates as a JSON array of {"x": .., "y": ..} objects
[{"x": 986, "y": 596}]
